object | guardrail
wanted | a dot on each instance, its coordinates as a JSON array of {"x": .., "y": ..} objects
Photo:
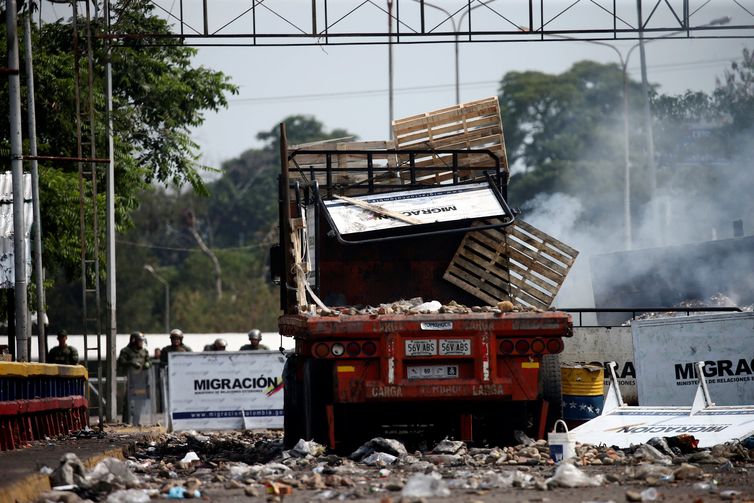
[
  {"x": 39, "y": 400},
  {"x": 631, "y": 312}
]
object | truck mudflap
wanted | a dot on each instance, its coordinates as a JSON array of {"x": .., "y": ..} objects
[{"x": 623, "y": 425}]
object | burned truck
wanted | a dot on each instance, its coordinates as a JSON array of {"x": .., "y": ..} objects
[{"x": 417, "y": 301}]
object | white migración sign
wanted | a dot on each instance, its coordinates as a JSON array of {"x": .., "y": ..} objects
[
  {"x": 623, "y": 425},
  {"x": 665, "y": 351},
  {"x": 225, "y": 390},
  {"x": 438, "y": 204}
]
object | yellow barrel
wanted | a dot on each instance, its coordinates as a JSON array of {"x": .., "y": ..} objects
[
  {"x": 582, "y": 387},
  {"x": 584, "y": 380}
]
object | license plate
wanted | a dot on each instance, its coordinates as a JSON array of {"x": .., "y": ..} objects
[
  {"x": 421, "y": 347},
  {"x": 455, "y": 346},
  {"x": 433, "y": 372}
]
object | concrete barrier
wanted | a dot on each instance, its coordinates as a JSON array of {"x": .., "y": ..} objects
[{"x": 39, "y": 400}]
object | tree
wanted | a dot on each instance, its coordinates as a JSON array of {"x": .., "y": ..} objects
[
  {"x": 238, "y": 220},
  {"x": 158, "y": 96},
  {"x": 564, "y": 133}
]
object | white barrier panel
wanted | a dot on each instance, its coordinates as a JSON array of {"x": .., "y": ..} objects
[
  {"x": 666, "y": 349},
  {"x": 599, "y": 345},
  {"x": 623, "y": 425},
  {"x": 225, "y": 390}
]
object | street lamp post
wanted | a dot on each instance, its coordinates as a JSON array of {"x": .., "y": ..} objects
[
  {"x": 648, "y": 124},
  {"x": 456, "y": 27},
  {"x": 162, "y": 280}
]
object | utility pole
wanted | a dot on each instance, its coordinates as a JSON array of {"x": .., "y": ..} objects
[
  {"x": 17, "y": 173},
  {"x": 32, "y": 123},
  {"x": 110, "y": 292},
  {"x": 390, "y": 67},
  {"x": 651, "y": 166}
]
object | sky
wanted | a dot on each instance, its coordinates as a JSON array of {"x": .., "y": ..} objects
[{"x": 347, "y": 87}]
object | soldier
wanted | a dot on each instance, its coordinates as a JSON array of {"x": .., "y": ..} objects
[
  {"x": 63, "y": 354},
  {"x": 176, "y": 344},
  {"x": 255, "y": 336},
  {"x": 133, "y": 361},
  {"x": 134, "y": 356},
  {"x": 218, "y": 345}
]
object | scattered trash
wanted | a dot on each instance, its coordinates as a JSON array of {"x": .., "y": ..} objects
[
  {"x": 113, "y": 472},
  {"x": 425, "y": 486},
  {"x": 70, "y": 472},
  {"x": 304, "y": 448},
  {"x": 255, "y": 465},
  {"x": 567, "y": 475},
  {"x": 379, "y": 444},
  {"x": 188, "y": 460},
  {"x": 129, "y": 496},
  {"x": 278, "y": 489},
  {"x": 379, "y": 459},
  {"x": 649, "y": 494},
  {"x": 729, "y": 494},
  {"x": 46, "y": 470},
  {"x": 179, "y": 493},
  {"x": 449, "y": 447}
]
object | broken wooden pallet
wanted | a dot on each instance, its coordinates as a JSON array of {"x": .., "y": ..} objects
[
  {"x": 520, "y": 263},
  {"x": 473, "y": 125}
]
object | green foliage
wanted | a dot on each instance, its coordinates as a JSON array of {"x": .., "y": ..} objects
[
  {"x": 564, "y": 133},
  {"x": 238, "y": 220},
  {"x": 158, "y": 97}
]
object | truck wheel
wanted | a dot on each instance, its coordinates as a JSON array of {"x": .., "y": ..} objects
[
  {"x": 293, "y": 423},
  {"x": 550, "y": 387}
]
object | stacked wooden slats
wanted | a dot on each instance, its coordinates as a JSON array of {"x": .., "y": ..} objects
[
  {"x": 473, "y": 125},
  {"x": 302, "y": 162},
  {"x": 520, "y": 263}
]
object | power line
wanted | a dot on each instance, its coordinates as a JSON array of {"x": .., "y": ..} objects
[
  {"x": 442, "y": 87},
  {"x": 172, "y": 248}
]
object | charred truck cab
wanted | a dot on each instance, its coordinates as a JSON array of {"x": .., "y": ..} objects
[{"x": 365, "y": 227}]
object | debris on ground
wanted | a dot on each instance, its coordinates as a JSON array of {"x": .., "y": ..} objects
[
  {"x": 417, "y": 305},
  {"x": 191, "y": 465}
]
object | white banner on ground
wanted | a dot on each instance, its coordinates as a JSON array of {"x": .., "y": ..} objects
[
  {"x": 666, "y": 349},
  {"x": 225, "y": 390},
  {"x": 438, "y": 204}
]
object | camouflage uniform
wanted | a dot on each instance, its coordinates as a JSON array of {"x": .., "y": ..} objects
[
  {"x": 132, "y": 358},
  {"x": 66, "y": 355},
  {"x": 169, "y": 349},
  {"x": 249, "y": 347}
]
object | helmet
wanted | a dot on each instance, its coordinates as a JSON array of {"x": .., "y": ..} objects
[
  {"x": 137, "y": 336},
  {"x": 255, "y": 334},
  {"x": 220, "y": 342},
  {"x": 176, "y": 333}
]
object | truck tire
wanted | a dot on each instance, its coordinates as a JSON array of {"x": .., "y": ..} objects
[
  {"x": 550, "y": 382},
  {"x": 293, "y": 417}
]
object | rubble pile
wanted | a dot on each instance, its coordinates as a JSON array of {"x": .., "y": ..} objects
[
  {"x": 715, "y": 300},
  {"x": 194, "y": 465},
  {"x": 417, "y": 305}
]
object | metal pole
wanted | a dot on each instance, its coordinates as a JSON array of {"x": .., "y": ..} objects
[
  {"x": 651, "y": 166},
  {"x": 167, "y": 307},
  {"x": 458, "y": 73},
  {"x": 17, "y": 170},
  {"x": 32, "y": 122},
  {"x": 112, "y": 329},
  {"x": 390, "y": 67},
  {"x": 626, "y": 162}
]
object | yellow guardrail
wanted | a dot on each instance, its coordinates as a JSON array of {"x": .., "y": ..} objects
[{"x": 22, "y": 369}]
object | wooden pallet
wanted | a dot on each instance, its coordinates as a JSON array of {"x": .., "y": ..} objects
[
  {"x": 473, "y": 125},
  {"x": 520, "y": 263},
  {"x": 356, "y": 179}
]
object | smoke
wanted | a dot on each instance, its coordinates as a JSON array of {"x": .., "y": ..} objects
[{"x": 694, "y": 203}]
